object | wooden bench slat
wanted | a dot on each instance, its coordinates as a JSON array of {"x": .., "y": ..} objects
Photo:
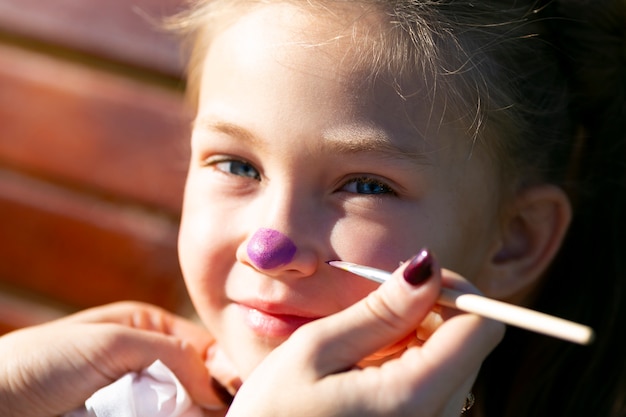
[
  {"x": 92, "y": 157},
  {"x": 120, "y": 30},
  {"x": 18, "y": 310},
  {"x": 84, "y": 251},
  {"x": 92, "y": 129}
]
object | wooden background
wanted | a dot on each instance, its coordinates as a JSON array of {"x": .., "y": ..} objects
[{"x": 93, "y": 152}]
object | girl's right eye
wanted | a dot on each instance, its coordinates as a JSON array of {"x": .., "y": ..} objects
[{"x": 236, "y": 167}]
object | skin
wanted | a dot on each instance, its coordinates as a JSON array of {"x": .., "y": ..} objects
[
  {"x": 56, "y": 366},
  {"x": 313, "y": 372},
  {"x": 291, "y": 136},
  {"x": 265, "y": 114}
]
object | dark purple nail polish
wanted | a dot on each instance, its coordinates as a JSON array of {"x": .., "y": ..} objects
[{"x": 420, "y": 268}]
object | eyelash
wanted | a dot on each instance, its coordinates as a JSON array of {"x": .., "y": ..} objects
[
  {"x": 384, "y": 189},
  {"x": 250, "y": 172}
]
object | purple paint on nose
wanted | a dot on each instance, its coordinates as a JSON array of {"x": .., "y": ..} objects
[{"x": 270, "y": 249}]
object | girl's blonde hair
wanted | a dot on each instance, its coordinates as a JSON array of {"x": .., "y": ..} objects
[
  {"x": 465, "y": 51},
  {"x": 499, "y": 68}
]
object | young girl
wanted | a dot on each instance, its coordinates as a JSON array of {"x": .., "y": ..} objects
[{"x": 363, "y": 131}]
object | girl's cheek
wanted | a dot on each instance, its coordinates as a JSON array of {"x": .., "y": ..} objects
[{"x": 378, "y": 244}]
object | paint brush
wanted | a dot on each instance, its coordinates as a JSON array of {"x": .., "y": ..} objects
[{"x": 497, "y": 310}]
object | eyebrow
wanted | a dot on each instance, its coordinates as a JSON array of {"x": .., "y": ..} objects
[
  {"x": 227, "y": 128},
  {"x": 343, "y": 141},
  {"x": 351, "y": 140}
]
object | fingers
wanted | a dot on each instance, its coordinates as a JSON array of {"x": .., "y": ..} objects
[
  {"x": 146, "y": 317},
  {"x": 101, "y": 353},
  {"x": 447, "y": 362},
  {"x": 436, "y": 376},
  {"x": 142, "y": 348},
  {"x": 383, "y": 317},
  {"x": 133, "y": 335},
  {"x": 465, "y": 338},
  {"x": 316, "y": 365},
  {"x": 461, "y": 344}
]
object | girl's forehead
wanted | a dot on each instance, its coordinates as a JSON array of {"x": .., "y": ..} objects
[
  {"x": 282, "y": 42},
  {"x": 361, "y": 41},
  {"x": 279, "y": 45},
  {"x": 345, "y": 27},
  {"x": 344, "y": 40}
]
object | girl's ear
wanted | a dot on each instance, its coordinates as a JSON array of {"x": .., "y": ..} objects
[{"x": 533, "y": 228}]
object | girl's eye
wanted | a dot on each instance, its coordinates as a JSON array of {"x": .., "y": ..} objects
[
  {"x": 366, "y": 185},
  {"x": 239, "y": 168}
]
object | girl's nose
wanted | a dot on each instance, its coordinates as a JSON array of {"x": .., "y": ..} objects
[
  {"x": 270, "y": 249},
  {"x": 275, "y": 254}
]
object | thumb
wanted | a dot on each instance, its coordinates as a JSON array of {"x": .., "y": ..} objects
[{"x": 384, "y": 317}]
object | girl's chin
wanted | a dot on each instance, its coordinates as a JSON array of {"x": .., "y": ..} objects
[{"x": 246, "y": 360}]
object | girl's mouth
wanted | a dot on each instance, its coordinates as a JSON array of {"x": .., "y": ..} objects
[{"x": 266, "y": 323}]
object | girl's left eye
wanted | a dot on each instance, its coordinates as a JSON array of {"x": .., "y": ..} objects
[
  {"x": 367, "y": 185},
  {"x": 239, "y": 168}
]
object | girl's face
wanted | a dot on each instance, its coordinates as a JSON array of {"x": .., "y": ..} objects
[{"x": 290, "y": 137}]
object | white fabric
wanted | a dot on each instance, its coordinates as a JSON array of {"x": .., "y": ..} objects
[{"x": 154, "y": 392}]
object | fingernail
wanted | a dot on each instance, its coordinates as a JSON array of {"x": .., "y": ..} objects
[{"x": 419, "y": 269}]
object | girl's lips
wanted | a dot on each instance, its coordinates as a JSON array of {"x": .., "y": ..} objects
[{"x": 270, "y": 324}]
